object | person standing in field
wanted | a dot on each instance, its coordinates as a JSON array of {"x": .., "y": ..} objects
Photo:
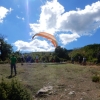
[
  {"x": 84, "y": 61},
  {"x": 13, "y": 61},
  {"x": 72, "y": 60},
  {"x": 37, "y": 58},
  {"x": 22, "y": 59}
]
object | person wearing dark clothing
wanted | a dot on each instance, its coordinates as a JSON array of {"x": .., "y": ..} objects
[
  {"x": 80, "y": 59},
  {"x": 72, "y": 60},
  {"x": 84, "y": 61},
  {"x": 13, "y": 61},
  {"x": 22, "y": 59}
]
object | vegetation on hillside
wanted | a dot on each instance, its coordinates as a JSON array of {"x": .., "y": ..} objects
[
  {"x": 5, "y": 49},
  {"x": 91, "y": 52}
]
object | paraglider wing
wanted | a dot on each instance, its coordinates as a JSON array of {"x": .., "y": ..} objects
[{"x": 48, "y": 36}]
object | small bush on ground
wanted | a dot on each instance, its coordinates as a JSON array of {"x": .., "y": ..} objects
[
  {"x": 95, "y": 78},
  {"x": 13, "y": 91}
]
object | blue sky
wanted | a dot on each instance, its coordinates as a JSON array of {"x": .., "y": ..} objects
[{"x": 74, "y": 23}]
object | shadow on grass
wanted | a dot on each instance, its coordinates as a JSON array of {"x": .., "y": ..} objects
[{"x": 9, "y": 77}]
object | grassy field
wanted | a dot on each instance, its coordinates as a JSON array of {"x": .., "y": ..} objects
[{"x": 65, "y": 79}]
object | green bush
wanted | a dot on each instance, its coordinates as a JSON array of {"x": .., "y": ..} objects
[
  {"x": 4, "y": 90},
  {"x": 95, "y": 78},
  {"x": 13, "y": 91},
  {"x": 3, "y": 62}
]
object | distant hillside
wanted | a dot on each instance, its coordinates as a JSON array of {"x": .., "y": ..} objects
[
  {"x": 43, "y": 53},
  {"x": 88, "y": 51}
]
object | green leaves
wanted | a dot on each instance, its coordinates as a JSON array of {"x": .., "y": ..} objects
[{"x": 13, "y": 91}]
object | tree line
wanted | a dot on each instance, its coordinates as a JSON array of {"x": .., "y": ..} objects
[{"x": 90, "y": 52}]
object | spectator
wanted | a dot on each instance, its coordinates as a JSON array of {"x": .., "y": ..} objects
[
  {"x": 13, "y": 61},
  {"x": 84, "y": 61},
  {"x": 72, "y": 60},
  {"x": 37, "y": 58}
]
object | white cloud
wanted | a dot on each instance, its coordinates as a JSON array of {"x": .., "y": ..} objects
[
  {"x": 6, "y": 39},
  {"x": 50, "y": 12},
  {"x": 67, "y": 38},
  {"x": 17, "y": 17},
  {"x": 3, "y": 12},
  {"x": 82, "y": 22},
  {"x": 55, "y": 20},
  {"x": 22, "y": 18},
  {"x": 35, "y": 45},
  {"x": 10, "y": 9}
]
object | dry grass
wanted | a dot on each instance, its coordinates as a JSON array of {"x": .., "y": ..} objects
[{"x": 63, "y": 77}]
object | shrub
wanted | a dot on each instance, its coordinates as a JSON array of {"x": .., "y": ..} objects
[
  {"x": 95, "y": 78},
  {"x": 13, "y": 91},
  {"x": 4, "y": 90},
  {"x": 1, "y": 62}
]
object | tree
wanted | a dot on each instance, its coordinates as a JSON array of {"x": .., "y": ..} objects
[
  {"x": 5, "y": 48},
  {"x": 61, "y": 53},
  {"x": 90, "y": 52}
]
